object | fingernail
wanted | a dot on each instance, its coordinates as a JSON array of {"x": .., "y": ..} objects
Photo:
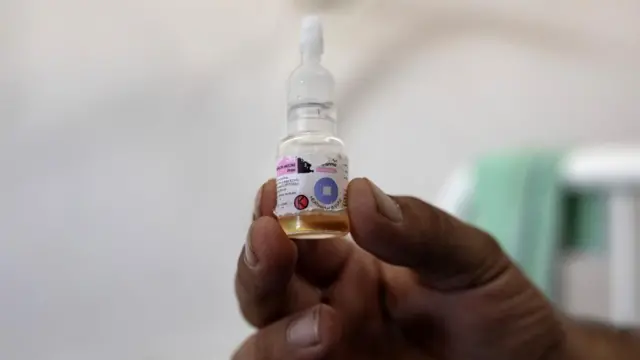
[
  {"x": 386, "y": 205},
  {"x": 256, "y": 203},
  {"x": 303, "y": 332},
  {"x": 249, "y": 255}
]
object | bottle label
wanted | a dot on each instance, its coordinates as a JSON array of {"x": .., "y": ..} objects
[{"x": 311, "y": 182}]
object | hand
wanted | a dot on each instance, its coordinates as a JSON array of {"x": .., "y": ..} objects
[{"x": 416, "y": 284}]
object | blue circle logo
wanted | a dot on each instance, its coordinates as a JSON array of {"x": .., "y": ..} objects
[{"x": 326, "y": 191}]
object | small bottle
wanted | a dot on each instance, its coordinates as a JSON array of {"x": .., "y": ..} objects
[{"x": 312, "y": 169}]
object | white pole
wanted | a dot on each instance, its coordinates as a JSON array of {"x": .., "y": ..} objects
[{"x": 622, "y": 257}]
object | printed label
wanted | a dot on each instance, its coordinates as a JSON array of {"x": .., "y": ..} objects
[{"x": 311, "y": 182}]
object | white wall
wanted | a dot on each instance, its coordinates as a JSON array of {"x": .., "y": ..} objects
[{"x": 134, "y": 133}]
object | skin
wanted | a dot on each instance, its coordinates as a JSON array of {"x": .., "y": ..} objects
[{"x": 415, "y": 283}]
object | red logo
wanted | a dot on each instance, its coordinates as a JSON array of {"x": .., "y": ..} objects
[{"x": 301, "y": 202}]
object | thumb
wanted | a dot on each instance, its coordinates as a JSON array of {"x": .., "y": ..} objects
[{"x": 447, "y": 253}]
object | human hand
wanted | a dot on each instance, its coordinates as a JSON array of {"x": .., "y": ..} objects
[{"x": 416, "y": 284}]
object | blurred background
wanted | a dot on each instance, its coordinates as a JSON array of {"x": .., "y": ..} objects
[{"x": 134, "y": 134}]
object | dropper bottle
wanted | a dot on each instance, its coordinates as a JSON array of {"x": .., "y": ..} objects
[{"x": 312, "y": 168}]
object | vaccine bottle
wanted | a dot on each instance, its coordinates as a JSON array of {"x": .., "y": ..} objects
[{"x": 312, "y": 169}]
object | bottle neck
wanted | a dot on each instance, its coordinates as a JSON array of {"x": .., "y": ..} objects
[
  {"x": 315, "y": 118},
  {"x": 310, "y": 108},
  {"x": 310, "y": 57}
]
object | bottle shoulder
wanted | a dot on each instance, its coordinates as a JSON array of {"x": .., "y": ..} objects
[
  {"x": 311, "y": 71},
  {"x": 305, "y": 143}
]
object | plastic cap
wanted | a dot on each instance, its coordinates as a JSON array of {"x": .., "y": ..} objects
[{"x": 311, "y": 39}]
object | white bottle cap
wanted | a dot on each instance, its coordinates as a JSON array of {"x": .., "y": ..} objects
[{"x": 311, "y": 38}]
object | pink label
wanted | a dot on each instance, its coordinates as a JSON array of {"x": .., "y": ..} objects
[
  {"x": 325, "y": 169},
  {"x": 287, "y": 165}
]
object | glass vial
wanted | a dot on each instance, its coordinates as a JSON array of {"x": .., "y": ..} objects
[{"x": 312, "y": 168}]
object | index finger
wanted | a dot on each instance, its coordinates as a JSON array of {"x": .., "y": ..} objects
[{"x": 265, "y": 283}]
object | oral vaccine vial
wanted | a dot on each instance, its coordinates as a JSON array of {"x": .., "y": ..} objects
[{"x": 312, "y": 168}]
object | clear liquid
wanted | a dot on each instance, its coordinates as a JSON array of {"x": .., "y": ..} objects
[{"x": 316, "y": 225}]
